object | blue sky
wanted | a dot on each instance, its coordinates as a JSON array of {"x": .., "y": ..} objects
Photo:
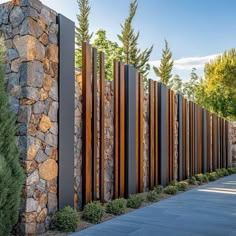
[{"x": 196, "y": 30}]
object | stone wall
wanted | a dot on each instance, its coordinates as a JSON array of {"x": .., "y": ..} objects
[
  {"x": 30, "y": 32},
  {"x": 232, "y": 144}
]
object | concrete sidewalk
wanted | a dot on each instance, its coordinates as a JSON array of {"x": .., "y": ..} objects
[{"x": 206, "y": 210}]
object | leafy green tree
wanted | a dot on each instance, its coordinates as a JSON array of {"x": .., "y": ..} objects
[
  {"x": 164, "y": 71},
  {"x": 219, "y": 85},
  {"x": 131, "y": 53},
  {"x": 111, "y": 50},
  {"x": 175, "y": 84},
  {"x": 190, "y": 87},
  {"x": 82, "y": 30},
  {"x": 11, "y": 174}
]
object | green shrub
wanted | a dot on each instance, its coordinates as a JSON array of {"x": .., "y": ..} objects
[
  {"x": 134, "y": 201},
  {"x": 192, "y": 181},
  {"x": 201, "y": 178},
  {"x": 11, "y": 173},
  {"x": 173, "y": 183},
  {"x": 116, "y": 207},
  {"x": 152, "y": 196},
  {"x": 66, "y": 219},
  {"x": 219, "y": 172},
  {"x": 158, "y": 189},
  {"x": 225, "y": 172},
  {"x": 182, "y": 186},
  {"x": 232, "y": 170},
  {"x": 212, "y": 176},
  {"x": 170, "y": 190},
  {"x": 93, "y": 212}
]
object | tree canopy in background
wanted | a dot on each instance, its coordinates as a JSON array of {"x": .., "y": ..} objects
[
  {"x": 166, "y": 66},
  {"x": 131, "y": 53},
  {"x": 82, "y": 30}
]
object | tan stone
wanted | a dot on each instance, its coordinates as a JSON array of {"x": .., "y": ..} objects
[
  {"x": 53, "y": 154},
  {"x": 32, "y": 151},
  {"x": 44, "y": 39},
  {"x": 15, "y": 65},
  {"x": 52, "y": 53},
  {"x": 30, "y": 166},
  {"x": 43, "y": 200},
  {"x": 42, "y": 215},
  {"x": 45, "y": 123},
  {"x": 26, "y": 101},
  {"x": 29, "y": 48},
  {"x": 43, "y": 94},
  {"x": 48, "y": 170},
  {"x": 42, "y": 23},
  {"x": 32, "y": 129},
  {"x": 30, "y": 228},
  {"x": 47, "y": 83},
  {"x": 29, "y": 217}
]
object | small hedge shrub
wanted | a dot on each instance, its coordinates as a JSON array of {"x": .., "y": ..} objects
[
  {"x": 219, "y": 172},
  {"x": 116, "y": 207},
  {"x": 232, "y": 170},
  {"x": 173, "y": 183},
  {"x": 182, "y": 186},
  {"x": 172, "y": 190},
  {"x": 192, "y": 181},
  {"x": 158, "y": 189},
  {"x": 152, "y": 196},
  {"x": 212, "y": 176},
  {"x": 66, "y": 219},
  {"x": 93, "y": 212},
  {"x": 134, "y": 201},
  {"x": 225, "y": 172},
  {"x": 201, "y": 178}
]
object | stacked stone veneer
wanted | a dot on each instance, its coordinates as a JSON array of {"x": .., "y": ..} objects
[
  {"x": 232, "y": 144},
  {"x": 30, "y": 32}
]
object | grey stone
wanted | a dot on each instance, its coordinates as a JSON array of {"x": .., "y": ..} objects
[
  {"x": 40, "y": 228},
  {"x": 41, "y": 156},
  {"x": 33, "y": 178},
  {"x": 7, "y": 68},
  {"x": 24, "y": 114},
  {"x": 30, "y": 26},
  {"x": 30, "y": 93},
  {"x": 53, "y": 29},
  {"x": 46, "y": 15},
  {"x": 52, "y": 38},
  {"x": 41, "y": 186},
  {"x": 54, "y": 128},
  {"x": 36, "y": 4},
  {"x": 52, "y": 203},
  {"x": 21, "y": 129},
  {"x": 32, "y": 74},
  {"x": 22, "y": 146},
  {"x": 40, "y": 136},
  {"x": 38, "y": 107},
  {"x": 14, "y": 104},
  {"x": 51, "y": 139},
  {"x": 15, "y": 31},
  {"x": 53, "y": 93},
  {"x": 29, "y": 11},
  {"x": 13, "y": 85},
  {"x": 53, "y": 111},
  {"x": 48, "y": 150},
  {"x": 16, "y": 16},
  {"x": 12, "y": 54},
  {"x": 30, "y": 190},
  {"x": 7, "y": 31},
  {"x": 31, "y": 205}
]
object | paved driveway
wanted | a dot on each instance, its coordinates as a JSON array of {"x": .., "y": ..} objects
[{"x": 206, "y": 210}]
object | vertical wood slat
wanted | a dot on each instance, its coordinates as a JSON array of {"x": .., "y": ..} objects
[
  {"x": 199, "y": 137},
  {"x": 214, "y": 153},
  {"x": 208, "y": 126},
  {"x": 102, "y": 124},
  {"x": 155, "y": 133},
  {"x": 121, "y": 130},
  {"x": 167, "y": 136},
  {"x": 94, "y": 124},
  {"x": 137, "y": 131},
  {"x": 191, "y": 134},
  {"x": 227, "y": 142},
  {"x": 141, "y": 98},
  {"x": 116, "y": 129},
  {"x": 87, "y": 99},
  {"x": 151, "y": 134},
  {"x": 184, "y": 135}
]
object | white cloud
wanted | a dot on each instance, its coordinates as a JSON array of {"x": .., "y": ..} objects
[{"x": 188, "y": 63}]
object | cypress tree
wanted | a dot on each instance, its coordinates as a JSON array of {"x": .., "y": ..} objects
[
  {"x": 11, "y": 174},
  {"x": 131, "y": 53},
  {"x": 164, "y": 71},
  {"x": 82, "y": 30}
]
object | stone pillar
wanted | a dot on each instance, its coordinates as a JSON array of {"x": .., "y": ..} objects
[
  {"x": 30, "y": 32},
  {"x": 232, "y": 144}
]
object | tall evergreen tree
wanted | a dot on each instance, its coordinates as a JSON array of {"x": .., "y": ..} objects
[
  {"x": 131, "y": 53},
  {"x": 164, "y": 71},
  {"x": 82, "y": 30},
  {"x": 175, "y": 84},
  {"x": 11, "y": 174}
]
